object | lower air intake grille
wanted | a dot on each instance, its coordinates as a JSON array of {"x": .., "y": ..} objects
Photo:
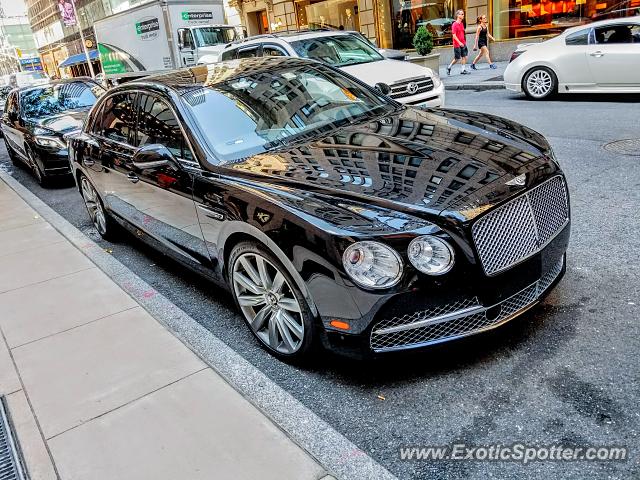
[{"x": 455, "y": 320}]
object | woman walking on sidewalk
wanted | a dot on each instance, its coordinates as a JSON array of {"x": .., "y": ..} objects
[{"x": 482, "y": 42}]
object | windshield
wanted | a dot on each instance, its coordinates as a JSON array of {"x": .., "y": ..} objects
[
  {"x": 262, "y": 110},
  {"x": 208, "y": 36},
  {"x": 53, "y": 99},
  {"x": 339, "y": 50}
]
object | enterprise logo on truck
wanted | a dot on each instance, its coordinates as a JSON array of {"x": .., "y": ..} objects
[
  {"x": 145, "y": 28},
  {"x": 191, "y": 16}
]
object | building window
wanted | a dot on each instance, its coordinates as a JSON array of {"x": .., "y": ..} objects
[{"x": 525, "y": 18}]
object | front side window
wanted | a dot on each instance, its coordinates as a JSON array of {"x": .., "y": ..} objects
[
  {"x": 258, "y": 111},
  {"x": 54, "y": 99},
  {"x": 118, "y": 118},
  {"x": 618, "y": 34},
  {"x": 578, "y": 38},
  {"x": 208, "y": 36},
  {"x": 157, "y": 124},
  {"x": 339, "y": 50}
]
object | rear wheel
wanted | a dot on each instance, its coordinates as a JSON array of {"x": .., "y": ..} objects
[
  {"x": 274, "y": 308},
  {"x": 539, "y": 83},
  {"x": 101, "y": 220}
]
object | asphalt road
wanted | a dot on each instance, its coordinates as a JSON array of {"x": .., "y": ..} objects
[{"x": 567, "y": 372}]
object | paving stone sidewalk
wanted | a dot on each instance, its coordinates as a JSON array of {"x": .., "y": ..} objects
[
  {"x": 484, "y": 78},
  {"x": 98, "y": 389}
]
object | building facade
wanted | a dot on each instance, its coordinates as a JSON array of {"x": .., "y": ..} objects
[
  {"x": 393, "y": 23},
  {"x": 17, "y": 46}
]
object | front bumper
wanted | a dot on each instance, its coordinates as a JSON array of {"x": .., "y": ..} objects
[
  {"x": 53, "y": 162},
  {"x": 467, "y": 305},
  {"x": 431, "y": 99}
]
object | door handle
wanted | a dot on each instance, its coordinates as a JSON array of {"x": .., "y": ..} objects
[
  {"x": 87, "y": 162},
  {"x": 133, "y": 178},
  {"x": 597, "y": 54}
]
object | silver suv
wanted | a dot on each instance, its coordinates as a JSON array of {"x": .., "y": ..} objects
[{"x": 403, "y": 81}]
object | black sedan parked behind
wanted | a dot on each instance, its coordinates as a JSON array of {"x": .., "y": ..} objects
[
  {"x": 333, "y": 214},
  {"x": 36, "y": 119}
]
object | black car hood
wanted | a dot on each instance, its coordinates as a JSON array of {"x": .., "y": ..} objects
[
  {"x": 445, "y": 162},
  {"x": 63, "y": 123}
]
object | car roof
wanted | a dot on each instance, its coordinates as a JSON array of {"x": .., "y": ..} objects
[
  {"x": 202, "y": 76},
  {"x": 293, "y": 36},
  {"x": 55, "y": 82},
  {"x": 604, "y": 23}
]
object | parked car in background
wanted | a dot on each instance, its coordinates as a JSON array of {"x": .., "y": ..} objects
[
  {"x": 334, "y": 215},
  {"x": 36, "y": 119},
  {"x": 403, "y": 81},
  {"x": 27, "y": 79},
  {"x": 601, "y": 57}
]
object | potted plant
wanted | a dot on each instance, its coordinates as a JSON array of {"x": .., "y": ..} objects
[{"x": 423, "y": 43}]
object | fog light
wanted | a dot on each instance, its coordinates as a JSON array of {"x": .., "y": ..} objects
[{"x": 430, "y": 255}]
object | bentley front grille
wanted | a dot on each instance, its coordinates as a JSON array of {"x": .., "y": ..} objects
[
  {"x": 521, "y": 227},
  {"x": 408, "y": 88},
  {"x": 455, "y": 320}
]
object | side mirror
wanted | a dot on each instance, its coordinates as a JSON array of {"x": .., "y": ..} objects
[
  {"x": 184, "y": 39},
  {"x": 154, "y": 156}
]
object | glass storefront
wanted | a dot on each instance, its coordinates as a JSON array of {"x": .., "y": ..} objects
[
  {"x": 525, "y": 18},
  {"x": 409, "y": 15},
  {"x": 334, "y": 14}
]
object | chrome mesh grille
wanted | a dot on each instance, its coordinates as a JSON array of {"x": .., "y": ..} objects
[
  {"x": 522, "y": 226},
  {"x": 399, "y": 90},
  {"x": 418, "y": 331}
]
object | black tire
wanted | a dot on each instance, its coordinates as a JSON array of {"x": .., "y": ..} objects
[
  {"x": 109, "y": 229},
  {"x": 38, "y": 174},
  {"x": 12, "y": 155},
  {"x": 540, "y": 83},
  {"x": 306, "y": 348}
]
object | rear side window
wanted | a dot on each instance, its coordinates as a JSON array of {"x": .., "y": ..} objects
[
  {"x": 617, "y": 34},
  {"x": 117, "y": 120},
  {"x": 229, "y": 54},
  {"x": 580, "y": 37},
  {"x": 248, "y": 52}
]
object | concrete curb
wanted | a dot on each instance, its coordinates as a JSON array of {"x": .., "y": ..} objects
[
  {"x": 476, "y": 86},
  {"x": 329, "y": 447}
]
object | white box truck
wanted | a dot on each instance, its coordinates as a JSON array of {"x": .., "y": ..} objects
[{"x": 162, "y": 35}]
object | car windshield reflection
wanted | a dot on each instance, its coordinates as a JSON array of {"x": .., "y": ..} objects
[
  {"x": 54, "y": 99},
  {"x": 252, "y": 113}
]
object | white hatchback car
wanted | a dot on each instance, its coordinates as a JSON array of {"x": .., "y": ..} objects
[
  {"x": 600, "y": 57},
  {"x": 403, "y": 81}
]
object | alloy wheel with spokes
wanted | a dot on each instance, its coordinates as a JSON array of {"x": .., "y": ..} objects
[
  {"x": 268, "y": 302},
  {"x": 540, "y": 83},
  {"x": 94, "y": 206}
]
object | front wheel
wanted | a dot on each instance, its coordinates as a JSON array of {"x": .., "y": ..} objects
[
  {"x": 274, "y": 308},
  {"x": 539, "y": 83}
]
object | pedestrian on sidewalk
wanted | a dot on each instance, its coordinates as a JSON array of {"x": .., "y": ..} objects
[
  {"x": 460, "y": 50},
  {"x": 482, "y": 42}
]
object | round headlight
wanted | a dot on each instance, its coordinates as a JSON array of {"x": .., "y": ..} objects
[
  {"x": 372, "y": 264},
  {"x": 430, "y": 255}
]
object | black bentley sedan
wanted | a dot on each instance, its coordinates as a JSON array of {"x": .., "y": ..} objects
[
  {"x": 36, "y": 119},
  {"x": 333, "y": 215}
]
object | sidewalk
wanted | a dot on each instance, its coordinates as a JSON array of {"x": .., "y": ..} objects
[
  {"x": 98, "y": 389},
  {"x": 484, "y": 78}
]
